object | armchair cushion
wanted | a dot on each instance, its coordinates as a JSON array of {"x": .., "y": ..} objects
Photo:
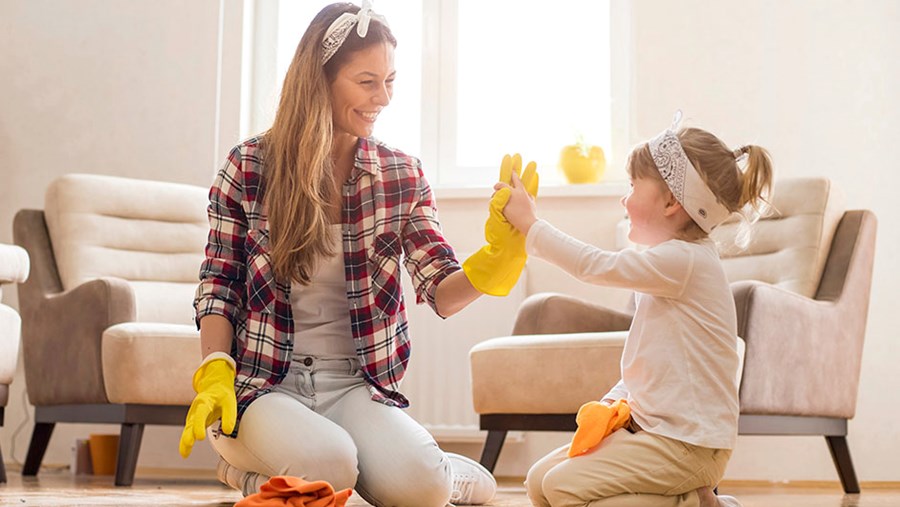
[
  {"x": 9, "y": 345},
  {"x": 789, "y": 248},
  {"x": 150, "y": 364},
  {"x": 150, "y": 233},
  {"x": 509, "y": 374}
]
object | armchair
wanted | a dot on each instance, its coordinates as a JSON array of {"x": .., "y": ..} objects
[
  {"x": 107, "y": 326},
  {"x": 13, "y": 269},
  {"x": 801, "y": 292}
]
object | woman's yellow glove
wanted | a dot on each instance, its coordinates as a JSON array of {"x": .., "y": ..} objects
[
  {"x": 495, "y": 269},
  {"x": 214, "y": 384},
  {"x": 595, "y": 422}
]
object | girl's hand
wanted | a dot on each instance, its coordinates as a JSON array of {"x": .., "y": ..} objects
[{"x": 520, "y": 210}]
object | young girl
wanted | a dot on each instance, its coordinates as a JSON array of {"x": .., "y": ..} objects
[{"x": 680, "y": 362}]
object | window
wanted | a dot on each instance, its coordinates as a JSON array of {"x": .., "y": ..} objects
[{"x": 475, "y": 80}]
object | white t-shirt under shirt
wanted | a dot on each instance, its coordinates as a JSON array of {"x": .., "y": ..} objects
[
  {"x": 680, "y": 362},
  {"x": 321, "y": 310}
]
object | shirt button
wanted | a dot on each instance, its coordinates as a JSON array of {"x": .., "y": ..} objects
[{"x": 308, "y": 361}]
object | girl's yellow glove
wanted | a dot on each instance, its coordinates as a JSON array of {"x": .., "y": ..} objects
[
  {"x": 495, "y": 269},
  {"x": 214, "y": 384}
]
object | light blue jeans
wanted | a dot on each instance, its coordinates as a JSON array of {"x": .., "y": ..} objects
[{"x": 321, "y": 423}]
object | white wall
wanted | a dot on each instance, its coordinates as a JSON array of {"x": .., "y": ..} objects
[
  {"x": 129, "y": 88},
  {"x": 110, "y": 87}
]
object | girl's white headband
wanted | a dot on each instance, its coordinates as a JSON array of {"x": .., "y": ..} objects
[
  {"x": 684, "y": 181},
  {"x": 340, "y": 28}
]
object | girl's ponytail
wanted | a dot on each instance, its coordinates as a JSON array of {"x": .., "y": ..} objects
[{"x": 757, "y": 177}]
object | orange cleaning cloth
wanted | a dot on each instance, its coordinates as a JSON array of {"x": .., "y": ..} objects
[
  {"x": 595, "y": 422},
  {"x": 286, "y": 491}
]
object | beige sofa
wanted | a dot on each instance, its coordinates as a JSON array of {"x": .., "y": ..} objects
[
  {"x": 801, "y": 290},
  {"x": 107, "y": 320},
  {"x": 14, "y": 267}
]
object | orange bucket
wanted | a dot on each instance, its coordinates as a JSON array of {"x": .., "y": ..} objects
[{"x": 104, "y": 453}]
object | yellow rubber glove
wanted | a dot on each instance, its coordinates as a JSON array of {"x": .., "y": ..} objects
[
  {"x": 495, "y": 269},
  {"x": 214, "y": 384},
  {"x": 595, "y": 422}
]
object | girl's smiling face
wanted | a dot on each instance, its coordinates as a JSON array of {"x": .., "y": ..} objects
[{"x": 647, "y": 204}]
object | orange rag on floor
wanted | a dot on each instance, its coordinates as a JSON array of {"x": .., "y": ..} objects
[
  {"x": 595, "y": 422},
  {"x": 286, "y": 491}
]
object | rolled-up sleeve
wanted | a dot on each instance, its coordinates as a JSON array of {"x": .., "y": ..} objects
[
  {"x": 429, "y": 258},
  {"x": 222, "y": 273}
]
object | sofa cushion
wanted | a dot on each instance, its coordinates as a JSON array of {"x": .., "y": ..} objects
[
  {"x": 10, "y": 324},
  {"x": 149, "y": 233},
  {"x": 508, "y": 373},
  {"x": 150, "y": 363},
  {"x": 789, "y": 248}
]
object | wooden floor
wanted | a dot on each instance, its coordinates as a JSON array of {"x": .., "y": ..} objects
[{"x": 163, "y": 488}]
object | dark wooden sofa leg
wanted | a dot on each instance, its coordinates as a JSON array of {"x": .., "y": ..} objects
[
  {"x": 2, "y": 466},
  {"x": 840, "y": 453},
  {"x": 492, "y": 447},
  {"x": 40, "y": 438},
  {"x": 129, "y": 447},
  {"x": 2, "y": 469}
]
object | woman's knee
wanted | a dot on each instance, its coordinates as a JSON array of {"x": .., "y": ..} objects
[
  {"x": 412, "y": 484},
  {"x": 334, "y": 462}
]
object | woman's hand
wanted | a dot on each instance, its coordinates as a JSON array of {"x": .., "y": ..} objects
[
  {"x": 214, "y": 384},
  {"x": 496, "y": 267}
]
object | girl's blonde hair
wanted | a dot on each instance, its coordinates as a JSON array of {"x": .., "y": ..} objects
[
  {"x": 299, "y": 170},
  {"x": 738, "y": 190}
]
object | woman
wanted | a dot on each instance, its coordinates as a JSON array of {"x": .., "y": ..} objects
[{"x": 301, "y": 315}]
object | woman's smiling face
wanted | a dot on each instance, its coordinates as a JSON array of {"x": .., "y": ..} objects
[{"x": 362, "y": 88}]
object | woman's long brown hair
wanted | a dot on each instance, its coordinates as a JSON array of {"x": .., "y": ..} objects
[{"x": 299, "y": 170}]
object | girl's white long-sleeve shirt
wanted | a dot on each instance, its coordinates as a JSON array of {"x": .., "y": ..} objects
[{"x": 680, "y": 362}]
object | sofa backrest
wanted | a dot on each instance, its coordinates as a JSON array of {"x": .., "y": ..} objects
[
  {"x": 150, "y": 233},
  {"x": 788, "y": 248}
]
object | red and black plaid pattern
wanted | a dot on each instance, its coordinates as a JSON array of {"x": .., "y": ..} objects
[{"x": 388, "y": 216}]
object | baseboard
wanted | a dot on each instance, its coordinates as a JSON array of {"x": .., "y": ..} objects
[
  {"x": 737, "y": 483},
  {"x": 506, "y": 480}
]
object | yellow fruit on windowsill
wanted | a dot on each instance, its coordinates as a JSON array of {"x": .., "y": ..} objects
[{"x": 582, "y": 163}]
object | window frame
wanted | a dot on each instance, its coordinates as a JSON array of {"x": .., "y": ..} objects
[{"x": 439, "y": 95}]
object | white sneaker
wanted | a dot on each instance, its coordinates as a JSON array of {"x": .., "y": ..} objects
[
  {"x": 472, "y": 483},
  {"x": 728, "y": 501}
]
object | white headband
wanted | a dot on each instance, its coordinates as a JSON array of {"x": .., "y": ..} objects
[
  {"x": 340, "y": 28},
  {"x": 684, "y": 181}
]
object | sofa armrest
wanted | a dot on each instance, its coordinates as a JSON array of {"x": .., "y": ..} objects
[
  {"x": 798, "y": 354},
  {"x": 62, "y": 329},
  {"x": 552, "y": 313},
  {"x": 61, "y": 341},
  {"x": 14, "y": 264}
]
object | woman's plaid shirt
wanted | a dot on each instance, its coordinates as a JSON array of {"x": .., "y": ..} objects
[{"x": 388, "y": 214}]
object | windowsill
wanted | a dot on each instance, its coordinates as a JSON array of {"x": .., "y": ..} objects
[{"x": 604, "y": 189}]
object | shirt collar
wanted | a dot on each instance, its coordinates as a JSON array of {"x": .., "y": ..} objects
[{"x": 367, "y": 155}]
